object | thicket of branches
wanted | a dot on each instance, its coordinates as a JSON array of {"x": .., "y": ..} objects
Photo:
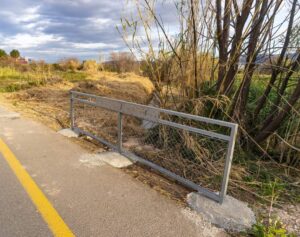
[
  {"x": 122, "y": 62},
  {"x": 216, "y": 53}
]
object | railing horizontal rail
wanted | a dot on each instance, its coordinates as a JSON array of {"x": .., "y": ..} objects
[
  {"x": 166, "y": 111},
  {"x": 169, "y": 123},
  {"x": 195, "y": 130},
  {"x": 80, "y": 131}
]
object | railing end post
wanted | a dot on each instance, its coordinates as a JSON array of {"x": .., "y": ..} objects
[
  {"x": 72, "y": 110},
  {"x": 120, "y": 131}
]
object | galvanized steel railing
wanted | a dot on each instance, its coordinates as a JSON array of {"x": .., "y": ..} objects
[{"x": 154, "y": 115}]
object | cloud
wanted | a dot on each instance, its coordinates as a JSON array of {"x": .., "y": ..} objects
[
  {"x": 53, "y": 29},
  {"x": 25, "y": 41},
  {"x": 94, "y": 46}
]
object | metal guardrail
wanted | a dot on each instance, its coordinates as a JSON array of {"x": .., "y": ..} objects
[{"x": 153, "y": 115}]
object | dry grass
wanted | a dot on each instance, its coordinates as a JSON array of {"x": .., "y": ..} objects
[
  {"x": 50, "y": 103},
  {"x": 127, "y": 86}
]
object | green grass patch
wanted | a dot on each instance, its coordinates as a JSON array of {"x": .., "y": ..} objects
[
  {"x": 73, "y": 76},
  {"x": 12, "y": 80},
  {"x": 273, "y": 228}
]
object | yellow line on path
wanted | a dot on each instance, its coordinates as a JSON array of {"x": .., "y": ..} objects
[{"x": 50, "y": 215}]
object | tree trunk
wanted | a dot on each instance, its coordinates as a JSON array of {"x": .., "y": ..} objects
[
  {"x": 243, "y": 93},
  {"x": 236, "y": 45},
  {"x": 276, "y": 71},
  {"x": 195, "y": 43},
  {"x": 275, "y": 107},
  {"x": 278, "y": 120}
]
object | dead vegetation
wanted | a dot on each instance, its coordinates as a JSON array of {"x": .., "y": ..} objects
[
  {"x": 50, "y": 103},
  {"x": 128, "y": 86}
]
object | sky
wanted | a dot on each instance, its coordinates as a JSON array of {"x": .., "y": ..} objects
[{"x": 54, "y": 29}]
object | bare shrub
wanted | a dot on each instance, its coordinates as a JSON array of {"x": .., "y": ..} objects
[
  {"x": 90, "y": 66},
  {"x": 122, "y": 62},
  {"x": 40, "y": 66},
  {"x": 71, "y": 64}
]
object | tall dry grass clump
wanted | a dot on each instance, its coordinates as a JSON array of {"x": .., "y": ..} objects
[
  {"x": 90, "y": 66},
  {"x": 71, "y": 64}
]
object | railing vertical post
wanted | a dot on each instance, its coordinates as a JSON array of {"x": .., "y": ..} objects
[
  {"x": 120, "y": 131},
  {"x": 228, "y": 162},
  {"x": 72, "y": 111}
]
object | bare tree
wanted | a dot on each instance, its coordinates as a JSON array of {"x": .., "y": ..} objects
[{"x": 217, "y": 35}]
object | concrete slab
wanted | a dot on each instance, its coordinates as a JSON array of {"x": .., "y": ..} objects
[
  {"x": 205, "y": 227},
  {"x": 67, "y": 132},
  {"x": 231, "y": 215},
  {"x": 114, "y": 159},
  {"x": 10, "y": 116},
  {"x": 6, "y": 114},
  {"x": 91, "y": 160}
]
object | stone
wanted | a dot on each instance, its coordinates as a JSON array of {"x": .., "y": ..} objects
[
  {"x": 67, "y": 132},
  {"x": 289, "y": 215},
  {"x": 131, "y": 142},
  {"x": 114, "y": 159},
  {"x": 232, "y": 214},
  {"x": 148, "y": 124}
]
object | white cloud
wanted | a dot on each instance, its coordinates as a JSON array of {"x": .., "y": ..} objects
[
  {"x": 93, "y": 45},
  {"x": 52, "y": 29},
  {"x": 27, "y": 15},
  {"x": 99, "y": 21},
  {"x": 25, "y": 41}
]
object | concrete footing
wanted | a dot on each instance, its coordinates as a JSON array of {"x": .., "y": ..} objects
[
  {"x": 67, "y": 132},
  {"x": 111, "y": 158},
  {"x": 91, "y": 160},
  {"x": 232, "y": 215},
  {"x": 115, "y": 159},
  {"x": 9, "y": 115}
]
